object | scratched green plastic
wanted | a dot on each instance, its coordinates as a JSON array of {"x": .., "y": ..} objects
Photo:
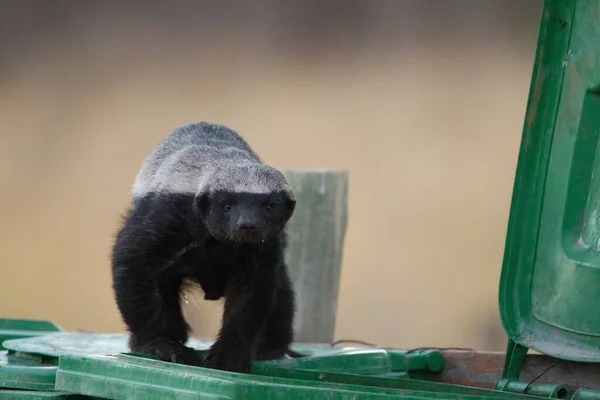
[
  {"x": 28, "y": 375},
  {"x": 371, "y": 367},
  {"x": 550, "y": 283},
  {"x": 132, "y": 377},
  {"x": 560, "y": 391},
  {"x": 31, "y": 361},
  {"x": 56, "y": 344},
  {"x": 11, "y": 328},
  {"x": 22, "y": 370},
  {"x": 366, "y": 361},
  {"x": 35, "y": 395}
]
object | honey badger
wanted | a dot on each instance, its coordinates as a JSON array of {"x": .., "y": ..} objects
[{"x": 205, "y": 208}]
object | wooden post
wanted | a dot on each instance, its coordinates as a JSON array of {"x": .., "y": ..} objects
[{"x": 316, "y": 239}]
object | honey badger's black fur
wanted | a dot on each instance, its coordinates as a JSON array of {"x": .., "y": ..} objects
[{"x": 205, "y": 208}]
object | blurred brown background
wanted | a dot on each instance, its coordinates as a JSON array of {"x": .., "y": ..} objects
[{"x": 423, "y": 102}]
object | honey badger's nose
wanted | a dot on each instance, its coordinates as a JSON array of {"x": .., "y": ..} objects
[{"x": 246, "y": 225}]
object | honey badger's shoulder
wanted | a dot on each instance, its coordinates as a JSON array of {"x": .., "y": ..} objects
[
  {"x": 203, "y": 134},
  {"x": 188, "y": 156}
]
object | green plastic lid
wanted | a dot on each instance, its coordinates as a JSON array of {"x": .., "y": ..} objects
[
  {"x": 334, "y": 368},
  {"x": 83, "y": 343},
  {"x": 550, "y": 283},
  {"x": 11, "y": 328},
  {"x": 62, "y": 343},
  {"x": 21, "y": 370},
  {"x": 37, "y": 395},
  {"x": 26, "y": 375},
  {"x": 132, "y": 377}
]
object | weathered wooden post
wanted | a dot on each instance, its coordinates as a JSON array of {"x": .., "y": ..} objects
[{"x": 316, "y": 239}]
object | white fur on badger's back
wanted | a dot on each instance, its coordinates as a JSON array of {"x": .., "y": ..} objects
[{"x": 202, "y": 155}]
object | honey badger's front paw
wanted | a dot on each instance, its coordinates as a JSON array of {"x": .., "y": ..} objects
[
  {"x": 169, "y": 351},
  {"x": 230, "y": 355}
]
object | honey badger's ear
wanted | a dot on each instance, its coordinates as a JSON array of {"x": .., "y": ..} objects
[
  {"x": 290, "y": 194},
  {"x": 290, "y": 200}
]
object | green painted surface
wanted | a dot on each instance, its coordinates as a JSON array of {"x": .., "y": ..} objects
[
  {"x": 376, "y": 377},
  {"x": 56, "y": 344},
  {"x": 365, "y": 361},
  {"x": 61, "y": 343},
  {"x": 14, "y": 375},
  {"x": 22, "y": 370},
  {"x": 535, "y": 389},
  {"x": 22, "y": 328},
  {"x": 31, "y": 362},
  {"x": 132, "y": 377},
  {"x": 34, "y": 361},
  {"x": 550, "y": 280},
  {"x": 32, "y": 395}
]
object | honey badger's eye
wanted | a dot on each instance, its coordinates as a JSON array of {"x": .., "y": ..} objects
[
  {"x": 227, "y": 206},
  {"x": 269, "y": 207}
]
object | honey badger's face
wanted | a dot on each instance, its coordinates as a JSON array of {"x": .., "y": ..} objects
[{"x": 245, "y": 217}]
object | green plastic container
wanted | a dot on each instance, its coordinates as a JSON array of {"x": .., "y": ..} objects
[
  {"x": 94, "y": 365},
  {"x": 550, "y": 282},
  {"x": 133, "y": 377}
]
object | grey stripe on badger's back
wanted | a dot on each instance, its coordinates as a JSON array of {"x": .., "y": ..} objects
[{"x": 204, "y": 156}]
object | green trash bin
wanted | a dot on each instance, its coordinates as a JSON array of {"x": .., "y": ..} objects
[
  {"x": 550, "y": 278},
  {"x": 95, "y": 365},
  {"x": 133, "y": 377},
  {"x": 24, "y": 375}
]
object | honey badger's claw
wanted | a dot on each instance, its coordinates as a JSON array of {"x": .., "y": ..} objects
[{"x": 171, "y": 352}]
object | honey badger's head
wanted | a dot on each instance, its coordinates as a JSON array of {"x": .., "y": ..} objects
[{"x": 245, "y": 204}]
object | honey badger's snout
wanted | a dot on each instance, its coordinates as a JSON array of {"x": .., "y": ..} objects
[{"x": 246, "y": 224}]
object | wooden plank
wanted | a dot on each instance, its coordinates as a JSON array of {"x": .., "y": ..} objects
[
  {"x": 316, "y": 239},
  {"x": 484, "y": 368}
]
